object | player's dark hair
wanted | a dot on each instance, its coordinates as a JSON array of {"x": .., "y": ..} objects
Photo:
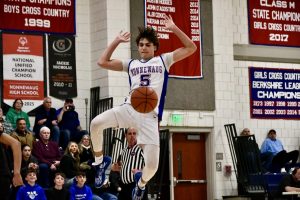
[{"x": 148, "y": 33}]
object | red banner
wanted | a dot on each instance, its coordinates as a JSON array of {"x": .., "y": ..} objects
[
  {"x": 274, "y": 22},
  {"x": 186, "y": 15},
  {"x": 52, "y": 16},
  {"x": 23, "y": 69}
]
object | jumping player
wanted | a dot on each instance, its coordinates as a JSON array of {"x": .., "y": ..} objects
[{"x": 149, "y": 71}]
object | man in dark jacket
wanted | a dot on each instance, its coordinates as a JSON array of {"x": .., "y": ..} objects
[{"x": 46, "y": 116}]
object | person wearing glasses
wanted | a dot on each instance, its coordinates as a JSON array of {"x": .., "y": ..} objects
[
  {"x": 15, "y": 112},
  {"x": 46, "y": 116}
]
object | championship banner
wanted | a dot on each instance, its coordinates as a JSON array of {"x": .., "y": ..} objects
[
  {"x": 51, "y": 16},
  {"x": 274, "y": 22},
  {"x": 23, "y": 69},
  {"x": 186, "y": 15},
  {"x": 274, "y": 93},
  {"x": 62, "y": 66}
]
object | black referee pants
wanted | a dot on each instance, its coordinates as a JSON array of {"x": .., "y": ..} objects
[{"x": 126, "y": 192}]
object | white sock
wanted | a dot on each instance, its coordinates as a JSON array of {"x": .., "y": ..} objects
[{"x": 98, "y": 160}]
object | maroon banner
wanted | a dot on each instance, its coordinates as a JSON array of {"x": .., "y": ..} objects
[
  {"x": 186, "y": 15},
  {"x": 51, "y": 16},
  {"x": 274, "y": 22}
]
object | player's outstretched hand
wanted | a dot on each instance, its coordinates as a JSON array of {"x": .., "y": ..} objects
[
  {"x": 169, "y": 24},
  {"x": 124, "y": 36}
]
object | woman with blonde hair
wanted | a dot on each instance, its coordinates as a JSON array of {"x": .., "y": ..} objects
[{"x": 69, "y": 163}]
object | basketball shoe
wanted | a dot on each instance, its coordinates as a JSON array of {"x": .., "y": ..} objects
[
  {"x": 100, "y": 172},
  {"x": 137, "y": 192}
]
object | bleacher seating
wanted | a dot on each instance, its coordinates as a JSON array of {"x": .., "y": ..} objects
[{"x": 252, "y": 179}]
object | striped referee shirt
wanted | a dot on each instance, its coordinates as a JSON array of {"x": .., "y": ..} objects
[{"x": 131, "y": 158}]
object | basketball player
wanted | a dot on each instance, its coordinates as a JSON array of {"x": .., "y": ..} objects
[{"x": 149, "y": 71}]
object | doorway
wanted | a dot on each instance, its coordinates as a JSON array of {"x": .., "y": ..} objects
[{"x": 189, "y": 166}]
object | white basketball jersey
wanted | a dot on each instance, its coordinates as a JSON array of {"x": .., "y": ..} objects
[{"x": 152, "y": 73}]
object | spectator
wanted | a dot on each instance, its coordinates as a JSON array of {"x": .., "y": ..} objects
[
  {"x": 22, "y": 134},
  {"x": 58, "y": 192},
  {"x": 87, "y": 158},
  {"x": 5, "y": 167},
  {"x": 31, "y": 190},
  {"x": 69, "y": 123},
  {"x": 245, "y": 132},
  {"x": 69, "y": 163},
  {"x": 131, "y": 158},
  {"x": 273, "y": 148},
  {"x": 48, "y": 155},
  {"x": 16, "y": 112},
  {"x": 6, "y": 125},
  {"x": 291, "y": 182},
  {"x": 81, "y": 191},
  {"x": 46, "y": 116},
  {"x": 28, "y": 161},
  {"x": 86, "y": 152}
]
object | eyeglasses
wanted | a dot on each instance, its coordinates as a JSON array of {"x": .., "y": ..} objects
[{"x": 48, "y": 102}]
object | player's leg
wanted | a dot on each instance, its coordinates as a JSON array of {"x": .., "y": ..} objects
[
  {"x": 98, "y": 124},
  {"x": 151, "y": 158}
]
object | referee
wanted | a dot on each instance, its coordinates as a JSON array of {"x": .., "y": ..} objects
[{"x": 131, "y": 158}]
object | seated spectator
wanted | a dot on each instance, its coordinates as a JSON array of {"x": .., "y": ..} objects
[
  {"x": 31, "y": 190},
  {"x": 14, "y": 164},
  {"x": 86, "y": 152},
  {"x": 58, "y": 191},
  {"x": 6, "y": 125},
  {"x": 245, "y": 132},
  {"x": 69, "y": 123},
  {"x": 48, "y": 155},
  {"x": 22, "y": 134},
  {"x": 15, "y": 112},
  {"x": 87, "y": 158},
  {"x": 69, "y": 163},
  {"x": 46, "y": 116},
  {"x": 28, "y": 161},
  {"x": 79, "y": 190},
  {"x": 291, "y": 182},
  {"x": 264, "y": 158},
  {"x": 273, "y": 149}
]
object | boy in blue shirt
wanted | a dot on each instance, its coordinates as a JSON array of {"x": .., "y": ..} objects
[
  {"x": 79, "y": 190},
  {"x": 31, "y": 190}
]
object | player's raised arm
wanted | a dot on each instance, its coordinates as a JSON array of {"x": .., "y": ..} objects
[
  {"x": 189, "y": 47},
  {"x": 105, "y": 60}
]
